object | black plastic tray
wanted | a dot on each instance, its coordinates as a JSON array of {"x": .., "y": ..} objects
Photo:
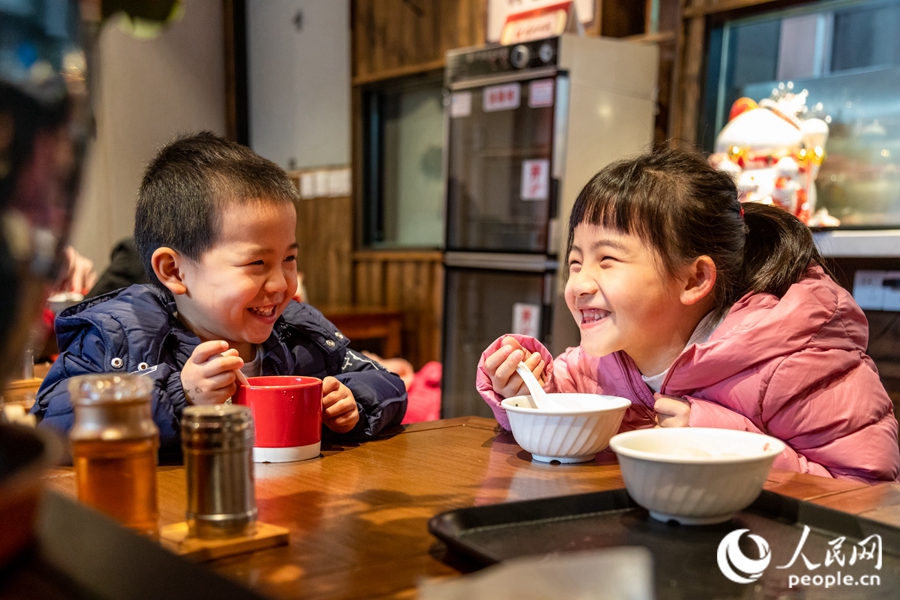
[{"x": 685, "y": 557}]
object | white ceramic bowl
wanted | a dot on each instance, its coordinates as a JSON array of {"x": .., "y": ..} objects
[
  {"x": 575, "y": 432},
  {"x": 694, "y": 475},
  {"x": 59, "y": 302}
]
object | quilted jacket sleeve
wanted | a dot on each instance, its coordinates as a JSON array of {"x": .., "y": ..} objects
[
  {"x": 831, "y": 409},
  {"x": 380, "y": 396},
  {"x": 559, "y": 373},
  {"x": 710, "y": 414},
  {"x": 89, "y": 354}
]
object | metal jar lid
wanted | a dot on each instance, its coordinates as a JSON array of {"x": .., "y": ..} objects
[
  {"x": 216, "y": 426},
  {"x": 111, "y": 407}
]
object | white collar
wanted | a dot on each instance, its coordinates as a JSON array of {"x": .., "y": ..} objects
[{"x": 702, "y": 332}]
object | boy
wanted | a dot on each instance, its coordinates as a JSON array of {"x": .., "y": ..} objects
[{"x": 215, "y": 229}]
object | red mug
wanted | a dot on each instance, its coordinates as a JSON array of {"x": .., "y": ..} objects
[{"x": 287, "y": 414}]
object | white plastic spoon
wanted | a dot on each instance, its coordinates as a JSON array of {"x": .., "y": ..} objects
[
  {"x": 538, "y": 395},
  {"x": 242, "y": 379}
]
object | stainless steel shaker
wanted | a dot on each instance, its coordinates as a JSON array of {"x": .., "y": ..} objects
[{"x": 217, "y": 441}]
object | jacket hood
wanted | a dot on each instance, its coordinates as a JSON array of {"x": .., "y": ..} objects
[
  {"x": 143, "y": 311},
  {"x": 815, "y": 312}
]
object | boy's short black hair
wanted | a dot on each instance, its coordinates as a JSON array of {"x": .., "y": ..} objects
[{"x": 186, "y": 186}]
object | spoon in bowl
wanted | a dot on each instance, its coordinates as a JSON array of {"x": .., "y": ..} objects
[{"x": 538, "y": 395}]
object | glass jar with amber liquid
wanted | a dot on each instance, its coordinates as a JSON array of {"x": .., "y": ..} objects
[{"x": 114, "y": 448}]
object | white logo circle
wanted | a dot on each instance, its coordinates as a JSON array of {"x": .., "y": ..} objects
[{"x": 745, "y": 570}]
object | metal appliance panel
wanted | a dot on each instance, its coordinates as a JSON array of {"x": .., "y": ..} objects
[
  {"x": 487, "y": 206},
  {"x": 477, "y": 64},
  {"x": 603, "y": 111},
  {"x": 478, "y": 308},
  {"x": 489, "y": 150}
]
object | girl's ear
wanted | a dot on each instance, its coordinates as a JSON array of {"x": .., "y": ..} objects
[
  {"x": 166, "y": 265},
  {"x": 700, "y": 278}
]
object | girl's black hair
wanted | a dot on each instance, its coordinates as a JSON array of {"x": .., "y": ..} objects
[{"x": 684, "y": 208}]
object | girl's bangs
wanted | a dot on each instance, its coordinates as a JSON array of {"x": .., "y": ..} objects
[{"x": 612, "y": 209}]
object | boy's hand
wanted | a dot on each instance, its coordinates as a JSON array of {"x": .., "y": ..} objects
[
  {"x": 501, "y": 368},
  {"x": 671, "y": 411},
  {"x": 339, "y": 411},
  {"x": 209, "y": 374}
]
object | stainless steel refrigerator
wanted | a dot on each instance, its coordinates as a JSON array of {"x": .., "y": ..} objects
[{"x": 527, "y": 126}]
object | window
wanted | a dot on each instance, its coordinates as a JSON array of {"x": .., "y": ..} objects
[
  {"x": 403, "y": 144},
  {"x": 847, "y": 55}
]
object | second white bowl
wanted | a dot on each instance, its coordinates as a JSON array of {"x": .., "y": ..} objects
[
  {"x": 694, "y": 475},
  {"x": 575, "y": 432}
]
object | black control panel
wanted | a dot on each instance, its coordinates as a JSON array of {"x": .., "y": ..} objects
[{"x": 467, "y": 64}]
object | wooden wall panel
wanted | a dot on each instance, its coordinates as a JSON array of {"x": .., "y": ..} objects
[
  {"x": 392, "y": 38},
  {"x": 335, "y": 276},
  {"x": 324, "y": 256},
  {"x": 690, "y": 79},
  {"x": 622, "y": 19},
  {"x": 369, "y": 283},
  {"x": 410, "y": 282}
]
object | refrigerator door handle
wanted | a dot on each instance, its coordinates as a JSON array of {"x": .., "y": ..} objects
[
  {"x": 537, "y": 263},
  {"x": 553, "y": 208},
  {"x": 486, "y": 80}
]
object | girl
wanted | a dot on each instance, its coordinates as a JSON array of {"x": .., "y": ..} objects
[{"x": 706, "y": 312}]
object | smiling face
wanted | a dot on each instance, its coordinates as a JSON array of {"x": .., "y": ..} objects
[
  {"x": 621, "y": 300},
  {"x": 241, "y": 285}
]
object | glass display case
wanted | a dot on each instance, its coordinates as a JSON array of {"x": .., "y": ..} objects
[{"x": 847, "y": 55}]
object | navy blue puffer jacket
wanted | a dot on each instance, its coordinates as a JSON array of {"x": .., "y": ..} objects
[{"x": 134, "y": 330}]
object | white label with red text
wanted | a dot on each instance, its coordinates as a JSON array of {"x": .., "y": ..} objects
[
  {"x": 526, "y": 319},
  {"x": 535, "y": 179},
  {"x": 540, "y": 93},
  {"x": 501, "y": 97}
]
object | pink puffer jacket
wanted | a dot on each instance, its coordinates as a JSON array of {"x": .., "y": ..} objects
[{"x": 794, "y": 368}]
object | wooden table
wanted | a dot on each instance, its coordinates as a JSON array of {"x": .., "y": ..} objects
[
  {"x": 23, "y": 391},
  {"x": 358, "y": 515}
]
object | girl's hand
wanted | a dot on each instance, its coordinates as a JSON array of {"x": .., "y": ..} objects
[
  {"x": 339, "y": 411},
  {"x": 671, "y": 411},
  {"x": 208, "y": 377},
  {"x": 76, "y": 275},
  {"x": 501, "y": 368}
]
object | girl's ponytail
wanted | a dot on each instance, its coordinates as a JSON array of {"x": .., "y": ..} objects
[{"x": 778, "y": 249}]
